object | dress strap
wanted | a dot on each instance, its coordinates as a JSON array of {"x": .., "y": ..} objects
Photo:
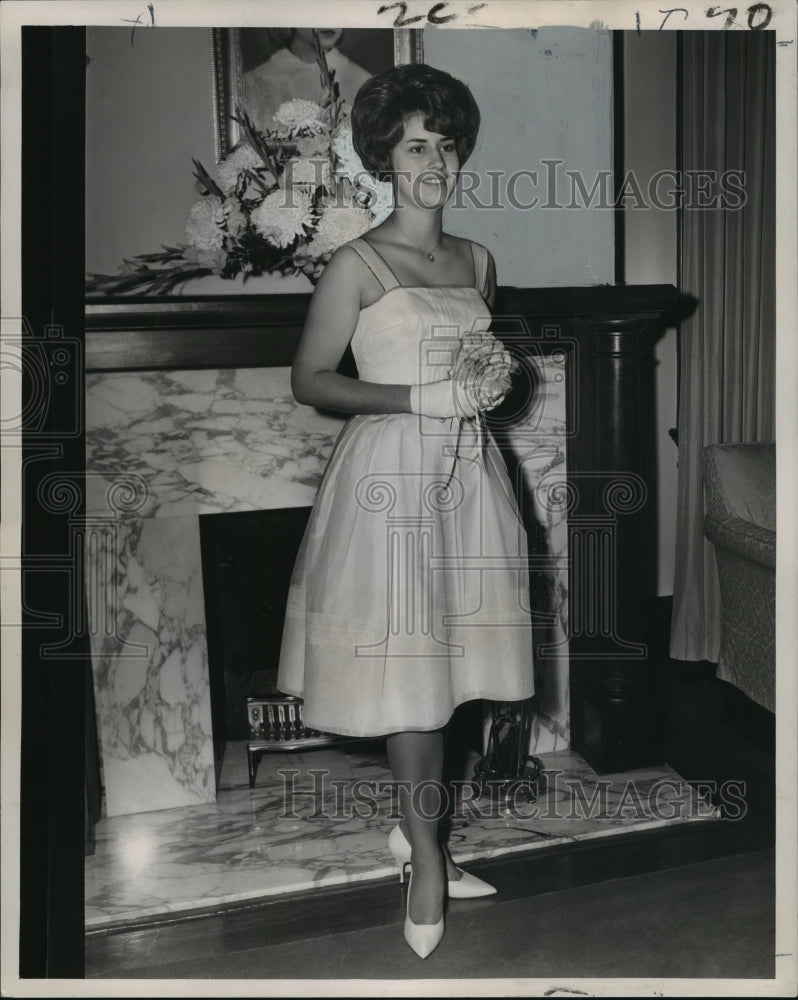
[
  {"x": 480, "y": 255},
  {"x": 375, "y": 263}
]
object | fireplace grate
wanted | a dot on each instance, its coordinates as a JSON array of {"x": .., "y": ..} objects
[{"x": 276, "y": 724}]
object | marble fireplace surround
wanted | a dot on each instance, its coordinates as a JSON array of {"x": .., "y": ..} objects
[{"x": 189, "y": 412}]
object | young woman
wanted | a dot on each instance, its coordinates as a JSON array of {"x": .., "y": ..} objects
[{"x": 409, "y": 595}]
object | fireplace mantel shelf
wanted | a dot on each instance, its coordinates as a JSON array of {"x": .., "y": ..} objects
[{"x": 169, "y": 332}]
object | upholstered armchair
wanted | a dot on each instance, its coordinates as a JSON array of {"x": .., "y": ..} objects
[{"x": 740, "y": 493}]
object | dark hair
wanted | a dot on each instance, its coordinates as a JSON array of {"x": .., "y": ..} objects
[{"x": 384, "y": 102}]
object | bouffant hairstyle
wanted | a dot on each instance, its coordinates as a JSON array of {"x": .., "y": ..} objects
[{"x": 384, "y": 103}]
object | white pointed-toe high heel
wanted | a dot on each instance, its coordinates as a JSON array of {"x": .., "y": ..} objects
[
  {"x": 422, "y": 938},
  {"x": 466, "y": 887}
]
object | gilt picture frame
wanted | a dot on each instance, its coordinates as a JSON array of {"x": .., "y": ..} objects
[{"x": 238, "y": 51}]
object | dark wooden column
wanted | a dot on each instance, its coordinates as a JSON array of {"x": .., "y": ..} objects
[
  {"x": 610, "y": 333},
  {"x": 615, "y": 721}
]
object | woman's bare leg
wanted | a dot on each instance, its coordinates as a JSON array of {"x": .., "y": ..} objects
[{"x": 416, "y": 761}]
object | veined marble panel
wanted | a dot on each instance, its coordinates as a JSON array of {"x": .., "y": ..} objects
[
  {"x": 539, "y": 446},
  {"x": 162, "y": 448},
  {"x": 152, "y": 692},
  {"x": 205, "y": 441}
]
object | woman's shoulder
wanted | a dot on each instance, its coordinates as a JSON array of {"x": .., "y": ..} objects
[
  {"x": 348, "y": 266},
  {"x": 360, "y": 267},
  {"x": 345, "y": 259},
  {"x": 355, "y": 249},
  {"x": 478, "y": 248},
  {"x": 482, "y": 256},
  {"x": 484, "y": 267}
]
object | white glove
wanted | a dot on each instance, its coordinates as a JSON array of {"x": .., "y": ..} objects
[{"x": 446, "y": 398}]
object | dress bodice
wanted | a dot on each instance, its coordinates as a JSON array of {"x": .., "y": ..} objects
[{"x": 411, "y": 334}]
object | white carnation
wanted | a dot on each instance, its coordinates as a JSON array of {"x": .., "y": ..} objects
[
  {"x": 338, "y": 225},
  {"x": 313, "y": 145},
  {"x": 240, "y": 161},
  {"x": 205, "y": 224},
  {"x": 300, "y": 114},
  {"x": 282, "y": 216}
]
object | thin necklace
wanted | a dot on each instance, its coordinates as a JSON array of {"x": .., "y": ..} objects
[{"x": 429, "y": 254}]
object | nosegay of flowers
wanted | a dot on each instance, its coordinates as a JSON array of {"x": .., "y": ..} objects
[
  {"x": 281, "y": 202},
  {"x": 484, "y": 365}
]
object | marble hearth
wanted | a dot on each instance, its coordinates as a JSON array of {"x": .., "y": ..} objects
[
  {"x": 165, "y": 448},
  {"x": 300, "y": 829}
]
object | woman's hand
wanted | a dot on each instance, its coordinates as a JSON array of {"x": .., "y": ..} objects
[{"x": 445, "y": 398}]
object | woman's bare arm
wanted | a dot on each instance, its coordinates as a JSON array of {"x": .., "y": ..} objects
[{"x": 331, "y": 320}]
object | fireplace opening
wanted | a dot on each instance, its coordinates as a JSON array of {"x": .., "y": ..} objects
[{"x": 247, "y": 561}]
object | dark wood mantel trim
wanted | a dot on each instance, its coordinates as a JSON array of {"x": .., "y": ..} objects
[
  {"x": 246, "y": 331},
  {"x": 155, "y": 333}
]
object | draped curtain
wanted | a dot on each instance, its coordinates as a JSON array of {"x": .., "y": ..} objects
[{"x": 727, "y": 347}]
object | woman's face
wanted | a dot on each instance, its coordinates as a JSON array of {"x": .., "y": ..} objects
[
  {"x": 327, "y": 36},
  {"x": 426, "y": 166}
]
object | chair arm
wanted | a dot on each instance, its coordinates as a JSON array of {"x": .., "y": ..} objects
[{"x": 743, "y": 538}]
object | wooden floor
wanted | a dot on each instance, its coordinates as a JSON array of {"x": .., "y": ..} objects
[
  {"x": 700, "y": 897},
  {"x": 148, "y": 949}
]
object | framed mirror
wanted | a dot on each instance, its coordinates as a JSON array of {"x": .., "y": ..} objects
[{"x": 257, "y": 69}]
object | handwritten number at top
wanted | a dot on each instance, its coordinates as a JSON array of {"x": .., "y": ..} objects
[
  {"x": 435, "y": 15},
  {"x": 759, "y": 15},
  {"x": 761, "y": 10},
  {"x": 758, "y": 10}
]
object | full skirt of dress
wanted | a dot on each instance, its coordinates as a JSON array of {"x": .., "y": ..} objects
[{"x": 410, "y": 593}]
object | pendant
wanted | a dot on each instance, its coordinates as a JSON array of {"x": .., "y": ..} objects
[{"x": 431, "y": 257}]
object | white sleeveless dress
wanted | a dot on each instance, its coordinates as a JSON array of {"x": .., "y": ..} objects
[{"x": 410, "y": 592}]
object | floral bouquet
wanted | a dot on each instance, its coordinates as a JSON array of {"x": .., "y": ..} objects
[
  {"x": 484, "y": 366},
  {"x": 282, "y": 202}
]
